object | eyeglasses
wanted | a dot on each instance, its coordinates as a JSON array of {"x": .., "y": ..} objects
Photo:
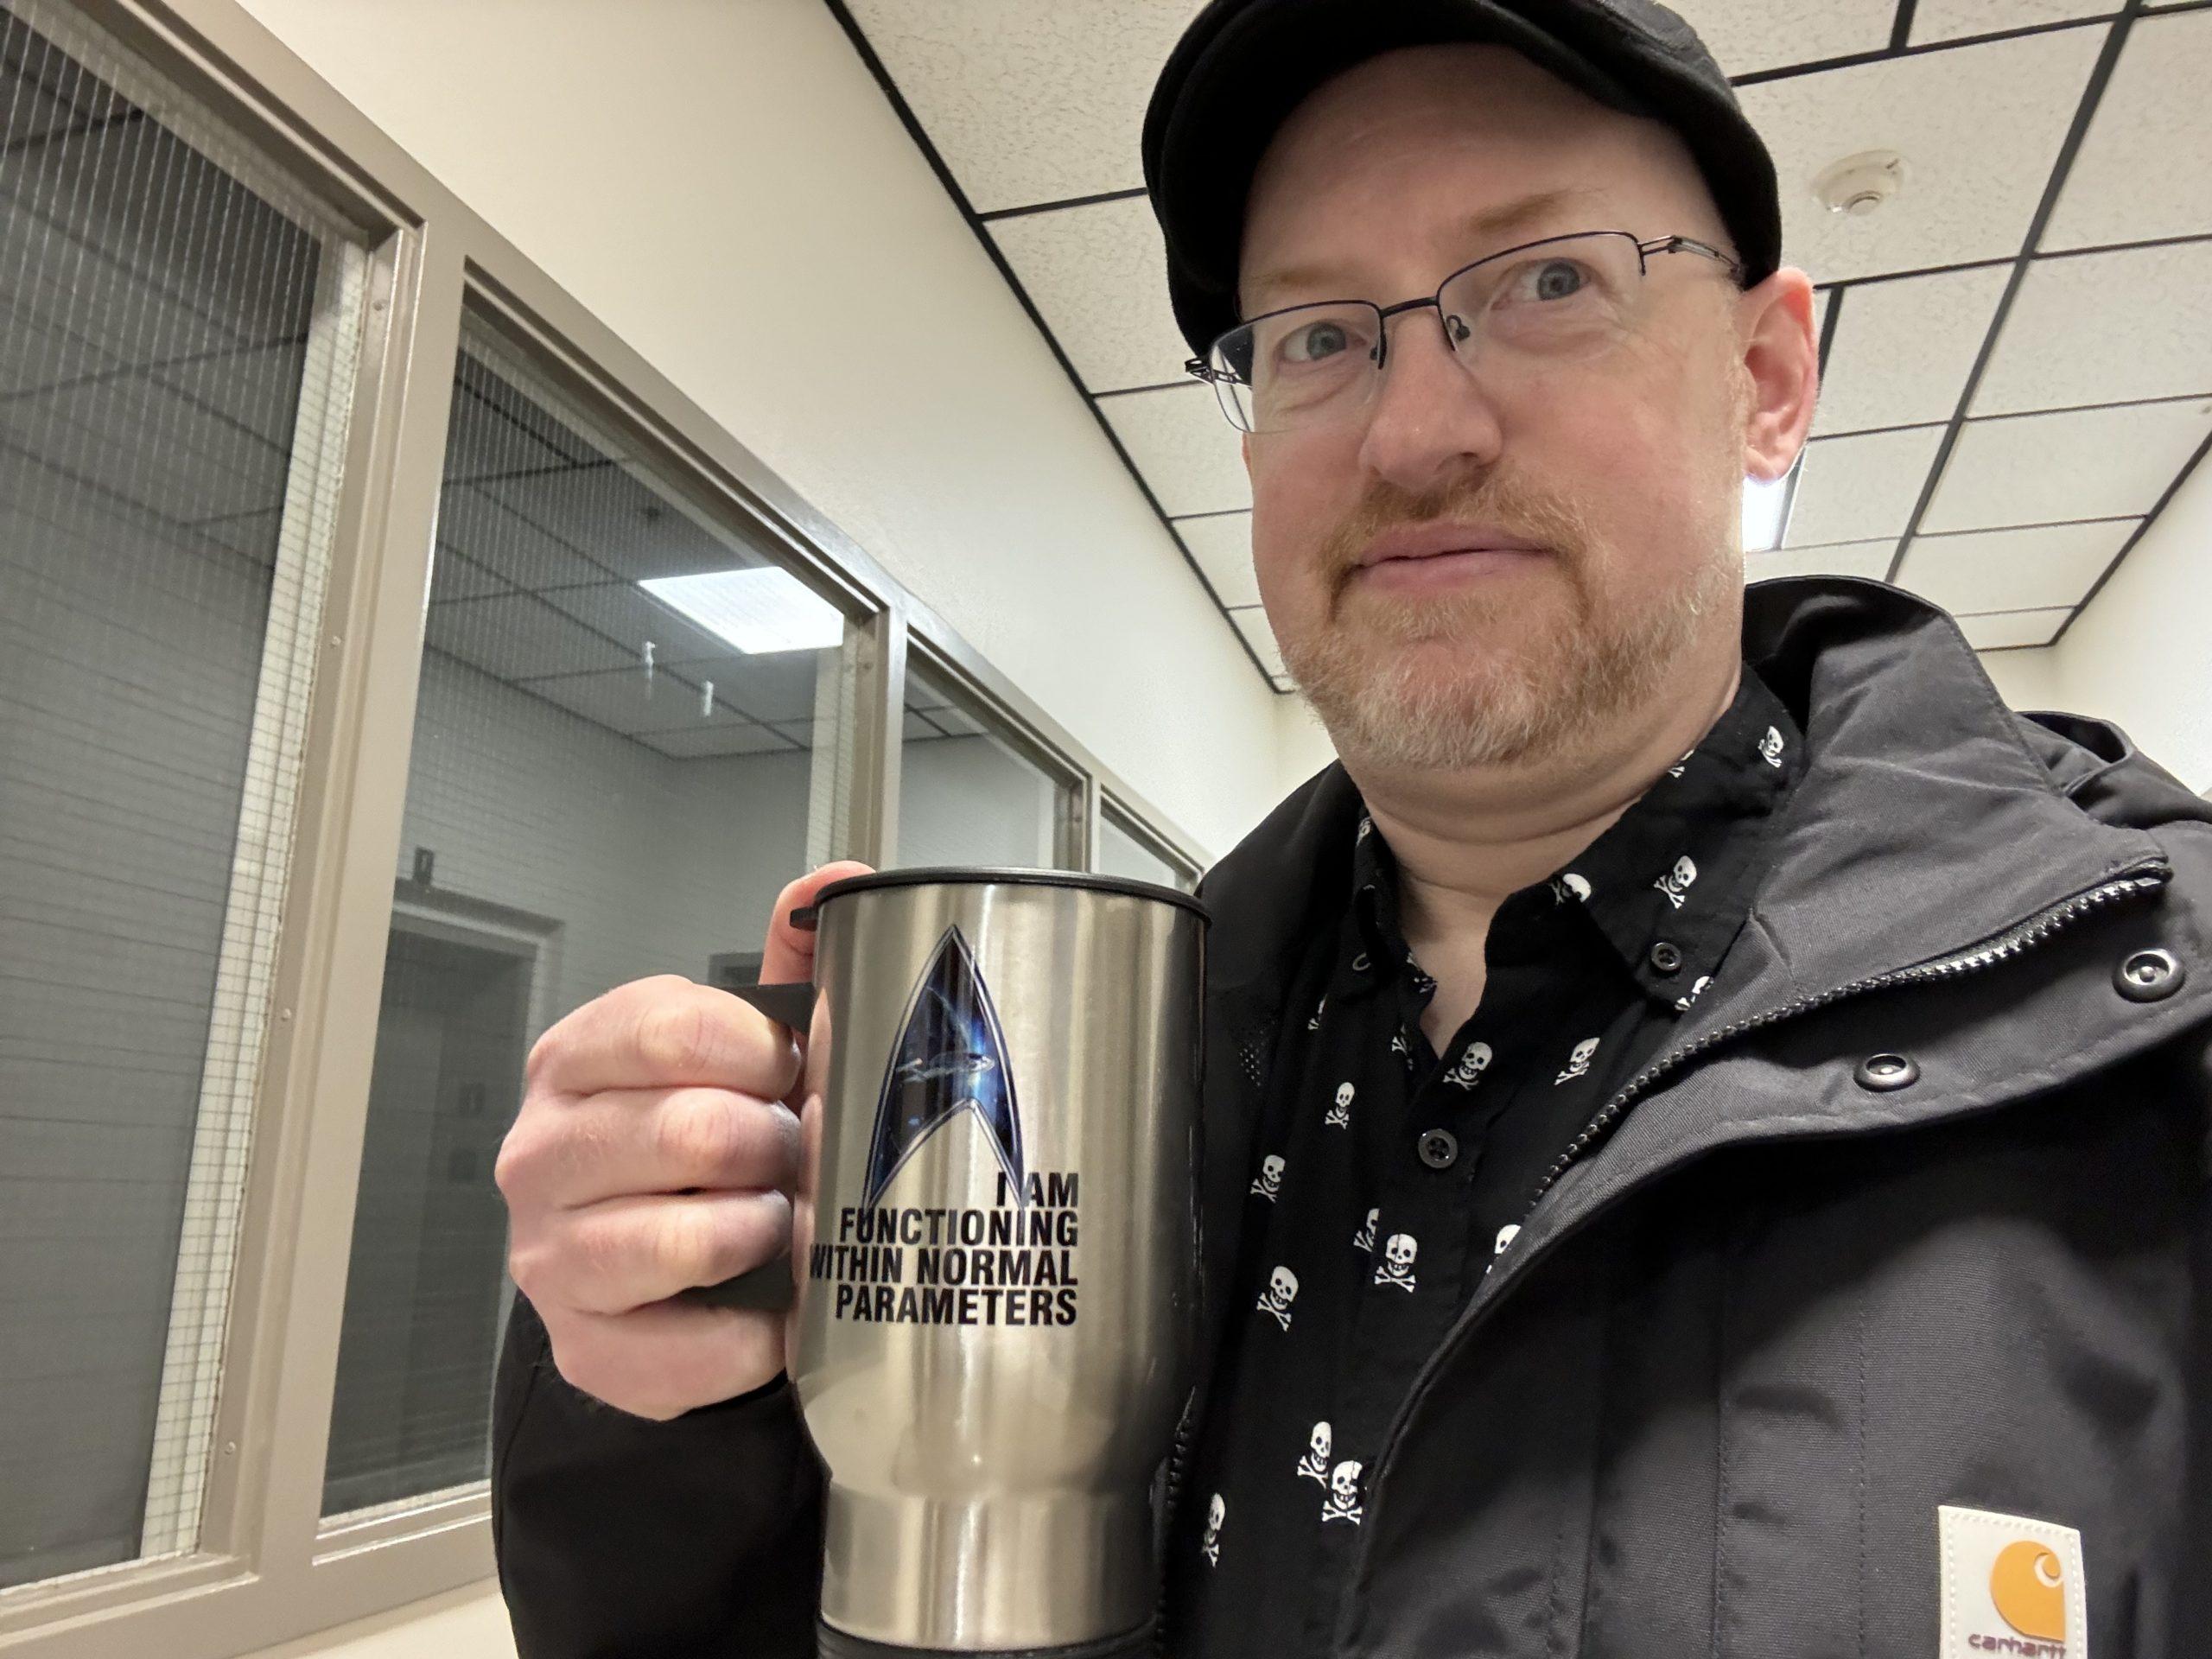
[{"x": 1562, "y": 299}]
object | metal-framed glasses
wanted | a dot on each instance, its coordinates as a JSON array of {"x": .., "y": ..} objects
[{"x": 1557, "y": 300}]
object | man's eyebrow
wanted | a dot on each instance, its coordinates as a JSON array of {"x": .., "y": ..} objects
[{"x": 1498, "y": 222}]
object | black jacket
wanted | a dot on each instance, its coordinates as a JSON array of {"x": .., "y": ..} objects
[{"x": 1776, "y": 1306}]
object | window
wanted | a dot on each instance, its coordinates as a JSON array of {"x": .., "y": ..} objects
[
  {"x": 1124, "y": 849},
  {"x": 967, "y": 795},
  {"x": 176, "y": 341},
  {"x": 223, "y": 357},
  {"x": 627, "y": 725}
]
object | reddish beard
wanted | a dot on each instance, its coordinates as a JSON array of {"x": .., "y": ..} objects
[{"x": 1546, "y": 661}]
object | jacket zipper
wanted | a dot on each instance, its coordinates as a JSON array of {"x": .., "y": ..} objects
[
  {"x": 1170, "y": 1495},
  {"x": 2013, "y": 941}
]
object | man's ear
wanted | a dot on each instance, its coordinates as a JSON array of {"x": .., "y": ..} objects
[{"x": 1781, "y": 369}]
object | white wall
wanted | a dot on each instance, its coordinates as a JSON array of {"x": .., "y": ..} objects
[
  {"x": 2141, "y": 655},
  {"x": 724, "y": 185}
]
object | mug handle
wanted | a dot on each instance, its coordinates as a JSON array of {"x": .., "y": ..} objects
[{"x": 770, "y": 1285}]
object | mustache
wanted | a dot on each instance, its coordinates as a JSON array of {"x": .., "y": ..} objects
[{"x": 1498, "y": 499}]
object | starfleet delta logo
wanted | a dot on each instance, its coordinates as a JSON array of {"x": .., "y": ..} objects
[
  {"x": 1009, "y": 1261},
  {"x": 949, "y": 1058}
]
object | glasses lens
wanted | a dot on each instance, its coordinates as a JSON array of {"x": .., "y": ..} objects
[
  {"x": 1299, "y": 367},
  {"x": 1556, "y": 298}
]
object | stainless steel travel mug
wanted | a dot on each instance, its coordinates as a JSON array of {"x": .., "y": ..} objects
[{"x": 995, "y": 1246}]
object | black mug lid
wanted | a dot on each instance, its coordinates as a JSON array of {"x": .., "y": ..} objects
[{"x": 931, "y": 875}]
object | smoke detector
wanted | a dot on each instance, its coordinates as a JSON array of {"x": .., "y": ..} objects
[{"x": 1859, "y": 184}]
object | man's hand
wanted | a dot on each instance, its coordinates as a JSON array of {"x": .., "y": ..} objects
[{"x": 657, "y": 1149}]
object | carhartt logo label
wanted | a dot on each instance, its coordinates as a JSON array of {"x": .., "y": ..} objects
[{"x": 2011, "y": 1586}]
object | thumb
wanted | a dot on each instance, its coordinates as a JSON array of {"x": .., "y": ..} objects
[{"x": 787, "y": 956}]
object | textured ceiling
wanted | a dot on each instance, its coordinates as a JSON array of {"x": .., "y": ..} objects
[{"x": 2019, "y": 368}]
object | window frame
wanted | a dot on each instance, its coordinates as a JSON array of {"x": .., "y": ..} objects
[{"x": 269, "y": 1568}]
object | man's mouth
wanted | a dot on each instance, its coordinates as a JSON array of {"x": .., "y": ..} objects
[{"x": 1421, "y": 541}]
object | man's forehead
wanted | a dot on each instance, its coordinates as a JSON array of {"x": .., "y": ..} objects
[{"x": 1319, "y": 259}]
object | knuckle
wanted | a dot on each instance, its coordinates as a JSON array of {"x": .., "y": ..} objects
[
  {"x": 518, "y": 1158},
  {"x": 675, "y": 1036},
  {"x": 701, "y": 1131},
  {"x": 683, "y": 1242}
]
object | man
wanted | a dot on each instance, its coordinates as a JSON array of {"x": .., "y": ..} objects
[{"x": 1737, "y": 1098}]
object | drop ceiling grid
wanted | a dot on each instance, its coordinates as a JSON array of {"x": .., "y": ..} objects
[{"x": 2018, "y": 279}]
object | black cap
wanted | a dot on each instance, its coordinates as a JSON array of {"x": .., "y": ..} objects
[{"x": 1243, "y": 65}]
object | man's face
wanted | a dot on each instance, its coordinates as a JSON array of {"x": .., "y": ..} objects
[{"x": 1625, "y": 469}]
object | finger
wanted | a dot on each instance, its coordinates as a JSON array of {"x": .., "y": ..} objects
[
  {"x": 787, "y": 955},
  {"x": 665, "y": 1033},
  {"x": 623, "y": 1142},
  {"x": 669, "y": 1358},
  {"x": 623, "y": 1253}
]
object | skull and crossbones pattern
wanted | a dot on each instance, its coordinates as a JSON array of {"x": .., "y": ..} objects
[
  {"x": 1770, "y": 748},
  {"x": 1276, "y": 1296},
  {"x": 1675, "y": 883},
  {"x": 1468, "y": 1070},
  {"x": 1269, "y": 1181},
  {"x": 1342, "y": 1502},
  {"x": 1339, "y": 1115},
  {"x": 1682, "y": 1002},
  {"x": 1396, "y": 1267},
  {"x": 1364, "y": 1239},
  {"x": 1210, "y": 1545},
  {"x": 1570, "y": 886},
  {"x": 1578, "y": 1063},
  {"x": 1314, "y": 1024},
  {"x": 1313, "y": 1463}
]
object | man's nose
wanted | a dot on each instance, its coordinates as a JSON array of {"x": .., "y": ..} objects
[{"x": 1430, "y": 419}]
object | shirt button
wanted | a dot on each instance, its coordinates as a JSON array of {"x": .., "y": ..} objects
[
  {"x": 1439, "y": 1148},
  {"x": 1666, "y": 957}
]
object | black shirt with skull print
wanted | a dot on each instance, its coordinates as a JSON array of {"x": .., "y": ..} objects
[{"x": 1392, "y": 1175}]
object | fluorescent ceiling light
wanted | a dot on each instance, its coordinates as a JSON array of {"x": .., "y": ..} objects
[
  {"x": 1764, "y": 505},
  {"x": 757, "y": 611}
]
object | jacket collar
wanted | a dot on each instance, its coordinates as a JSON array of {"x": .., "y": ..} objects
[{"x": 1922, "y": 790}]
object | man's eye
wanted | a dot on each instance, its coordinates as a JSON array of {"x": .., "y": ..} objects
[
  {"x": 1315, "y": 342},
  {"x": 1548, "y": 280}
]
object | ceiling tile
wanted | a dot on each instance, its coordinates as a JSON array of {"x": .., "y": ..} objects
[
  {"x": 2141, "y": 171},
  {"x": 153, "y": 446},
  {"x": 1951, "y": 20},
  {"x": 1097, "y": 275},
  {"x": 1183, "y": 448},
  {"x": 515, "y": 636},
  {"x": 1027, "y": 103},
  {"x": 1223, "y": 547},
  {"x": 776, "y": 685},
  {"x": 1855, "y": 489},
  {"x": 632, "y": 617},
  {"x": 1252, "y": 623},
  {"x": 2101, "y": 328},
  {"x": 2009, "y": 628},
  {"x": 724, "y": 735},
  {"x": 453, "y": 575},
  {"x": 626, "y": 524},
  {"x": 1979, "y": 127},
  {"x": 624, "y": 699},
  {"x": 1745, "y": 35},
  {"x": 1844, "y": 559},
  {"x": 1903, "y": 348},
  {"x": 2012, "y": 569},
  {"x": 510, "y": 544},
  {"x": 2096, "y": 463}
]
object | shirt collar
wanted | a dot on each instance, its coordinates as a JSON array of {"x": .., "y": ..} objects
[{"x": 1666, "y": 886}]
